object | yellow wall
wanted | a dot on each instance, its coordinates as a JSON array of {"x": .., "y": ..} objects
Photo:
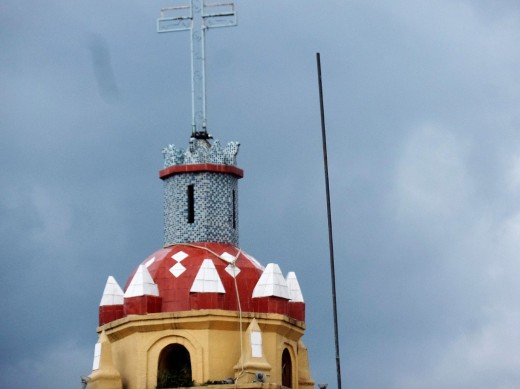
[{"x": 212, "y": 338}]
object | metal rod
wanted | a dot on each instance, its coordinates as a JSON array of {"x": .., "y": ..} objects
[{"x": 329, "y": 218}]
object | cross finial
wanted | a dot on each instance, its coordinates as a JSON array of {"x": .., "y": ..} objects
[{"x": 197, "y": 17}]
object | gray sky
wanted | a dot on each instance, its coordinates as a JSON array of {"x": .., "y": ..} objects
[{"x": 423, "y": 110}]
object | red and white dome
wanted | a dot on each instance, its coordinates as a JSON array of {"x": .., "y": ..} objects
[{"x": 194, "y": 276}]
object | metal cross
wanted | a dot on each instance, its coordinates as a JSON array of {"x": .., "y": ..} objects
[{"x": 197, "y": 18}]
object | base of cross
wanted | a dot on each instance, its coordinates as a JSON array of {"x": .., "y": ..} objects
[{"x": 201, "y": 135}]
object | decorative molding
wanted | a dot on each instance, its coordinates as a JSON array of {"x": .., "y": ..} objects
[{"x": 200, "y": 151}]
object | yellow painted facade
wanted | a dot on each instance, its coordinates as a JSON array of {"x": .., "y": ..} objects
[{"x": 219, "y": 344}]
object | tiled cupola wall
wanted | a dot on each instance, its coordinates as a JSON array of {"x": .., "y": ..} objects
[{"x": 201, "y": 193}]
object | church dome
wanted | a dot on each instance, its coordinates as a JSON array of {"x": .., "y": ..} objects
[
  {"x": 201, "y": 266},
  {"x": 196, "y": 276},
  {"x": 202, "y": 275}
]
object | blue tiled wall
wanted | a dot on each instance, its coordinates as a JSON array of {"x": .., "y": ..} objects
[{"x": 213, "y": 196}]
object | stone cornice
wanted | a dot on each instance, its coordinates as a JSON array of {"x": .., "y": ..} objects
[{"x": 200, "y": 320}]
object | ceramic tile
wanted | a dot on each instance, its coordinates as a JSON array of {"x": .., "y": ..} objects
[
  {"x": 112, "y": 294},
  {"x": 142, "y": 284},
  {"x": 233, "y": 271},
  {"x": 271, "y": 283},
  {"x": 256, "y": 344},
  {"x": 207, "y": 279},
  {"x": 295, "y": 292},
  {"x": 177, "y": 269},
  {"x": 180, "y": 256},
  {"x": 215, "y": 198},
  {"x": 97, "y": 356},
  {"x": 227, "y": 257}
]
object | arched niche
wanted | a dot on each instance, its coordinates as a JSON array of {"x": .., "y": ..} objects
[
  {"x": 174, "y": 367},
  {"x": 161, "y": 343},
  {"x": 287, "y": 369}
]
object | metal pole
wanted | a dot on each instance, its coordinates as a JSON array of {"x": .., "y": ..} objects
[{"x": 329, "y": 218}]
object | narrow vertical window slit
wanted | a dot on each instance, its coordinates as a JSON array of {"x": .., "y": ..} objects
[
  {"x": 234, "y": 205},
  {"x": 191, "y": 204}
]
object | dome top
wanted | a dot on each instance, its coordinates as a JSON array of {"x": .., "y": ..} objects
[{"x": 194, "y": 276}]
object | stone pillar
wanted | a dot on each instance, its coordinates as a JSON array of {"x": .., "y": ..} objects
[
  {"x": 252, "y": 361},
  {"x": 304, "y": 375},
  {"x": 104, "y": 375}
]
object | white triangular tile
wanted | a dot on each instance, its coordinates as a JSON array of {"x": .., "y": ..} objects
[
  {"x": 271, "y": 283},
  {"x": 295, "y": 293},
  {"x": 207, "y": 279},
  {"x": 142, "y": 284},
  {"x": 112, "y": 294}
]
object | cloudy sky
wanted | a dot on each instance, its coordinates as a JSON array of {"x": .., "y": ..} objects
[{"x": 422, "y": 106}]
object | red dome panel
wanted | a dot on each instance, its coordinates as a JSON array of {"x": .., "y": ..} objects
[
  {"x": 175, "y": 268},
  {"x": 209, "y": 266}
]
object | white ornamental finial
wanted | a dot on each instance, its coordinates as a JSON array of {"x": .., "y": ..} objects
[{"x": 197, "y": 18}]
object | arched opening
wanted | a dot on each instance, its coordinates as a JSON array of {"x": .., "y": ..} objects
[
  {"x": 286, "y": 369},
  {"x": 174, "y": 368}
]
